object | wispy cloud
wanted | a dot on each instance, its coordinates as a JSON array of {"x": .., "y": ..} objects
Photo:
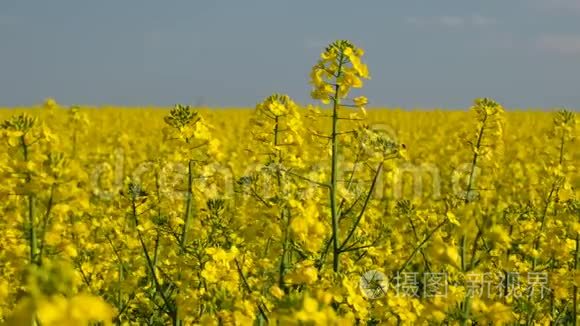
[
  {"x": 451, "y": 21},
  {"x": 479, "y": 20},
  {"x": 560, "y": 44},
  {"x": 562, "y": 5}
]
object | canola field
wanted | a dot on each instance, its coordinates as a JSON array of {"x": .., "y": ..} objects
[{"x": 283, "y": 214}]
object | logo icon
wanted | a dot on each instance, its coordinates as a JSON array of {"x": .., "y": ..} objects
[{"x": 374, "y": 284}]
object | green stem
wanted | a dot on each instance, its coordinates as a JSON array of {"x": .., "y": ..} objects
[
  {"x": 31, "y": 208},
  {"x": 188, "y": 206},
  {"x": 334, "y": 171},
  {"x": 45, "y": 222},
  {"x": 363, "y": 209},
  {"x": 284, "y": 257},
  {"x": 418, "y": 247},
  {"x": 416, "y": 235},
  {"x": 120, "y": 289},
  {"x": 506, "y": 273},
  {"x": 475, "y": 158},
  {"x": 543, "y": 223},
  {"x": 562, "y": 141},
  {"x": 186, "y": 223},
  {"x": 169, "y": 304},
  {"x": 74, "y": 143},
  {"x": 575, "y": 292},
  {"x": 466, "y": 310},
  {"x": 467, "y": 301},
  {"x": 32, "y": 228},
  {"x": 284, "y": 214},
  {"x": 261, "y": 307}
]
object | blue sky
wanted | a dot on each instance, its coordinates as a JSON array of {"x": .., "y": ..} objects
[{"x": 427, "y": 54}]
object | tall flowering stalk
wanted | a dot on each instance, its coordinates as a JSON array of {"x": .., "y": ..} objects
[
  {"x": 563, "y": 127},
  {"x": 485, "y": 145},
  {"x": 487, "y": 142},
  {"x": 19, "y": 132},
  {"x": 195, "y": 146},
  {"x": 277, "y": 131},
  {"x": 338, "y": 71},
  {"x": 37, "y": 171}
]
